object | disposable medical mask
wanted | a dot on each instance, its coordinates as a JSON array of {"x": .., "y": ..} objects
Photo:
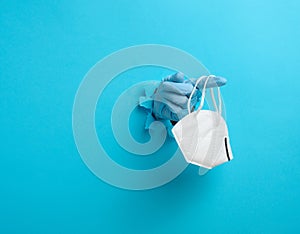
[{"x": 202, "y": 135}]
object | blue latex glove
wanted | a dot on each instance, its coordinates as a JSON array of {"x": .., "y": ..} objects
[
  {"x": 171, "y": 97},
  {"x": 213, "y": 82}
]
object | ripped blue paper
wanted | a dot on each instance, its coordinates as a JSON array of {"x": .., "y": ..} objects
[{"x": 147, "y": 102}]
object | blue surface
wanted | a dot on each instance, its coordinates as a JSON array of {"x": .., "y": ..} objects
[{"x": 46, "y": 47}]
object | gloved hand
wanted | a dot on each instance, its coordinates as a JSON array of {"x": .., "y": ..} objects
[{"x": 171, "y": 97}]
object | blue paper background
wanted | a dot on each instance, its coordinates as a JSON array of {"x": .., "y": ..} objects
[{"x": 46, "y": 47}]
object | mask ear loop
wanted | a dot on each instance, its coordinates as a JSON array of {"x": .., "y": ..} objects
[
  {"x": 212, "y": 94},
  {"x": 203, "y": 93},
  {"x": 202, "y": 170}
]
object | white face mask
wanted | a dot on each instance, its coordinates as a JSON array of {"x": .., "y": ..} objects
[{"x": 202, "y": 135}]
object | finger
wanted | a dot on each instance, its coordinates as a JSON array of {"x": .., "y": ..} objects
[
  {"x": 177, "y": 77},
  {"x": 196, "y": 97},
  {"x": 162, "y": 111},
  {"x": 178, "y": 88},
  {"x": 214, "y": 81}
]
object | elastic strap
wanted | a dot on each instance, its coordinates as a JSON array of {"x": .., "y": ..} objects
[
  {"x": 193, "y": 92},
  {"x": 219, "y": 110}
]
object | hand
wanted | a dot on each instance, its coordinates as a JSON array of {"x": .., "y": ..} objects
[{"x": 171, "y": 97}]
